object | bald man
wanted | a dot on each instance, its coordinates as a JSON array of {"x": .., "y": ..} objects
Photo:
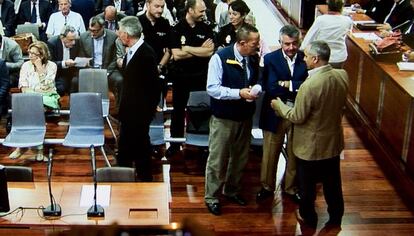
[{"x": 111, "y": 17}]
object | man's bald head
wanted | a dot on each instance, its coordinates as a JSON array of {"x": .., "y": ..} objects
[{"x": 110, "y": 13}]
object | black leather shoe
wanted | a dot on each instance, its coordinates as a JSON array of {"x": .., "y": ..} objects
[
  {"x": 333, "y": 223},
  {"x": 214, "y": 208},
  {"x": 237, "y": 199},
  {"x": 294, "y": 197},
  {"x": 263, "y": 194}
]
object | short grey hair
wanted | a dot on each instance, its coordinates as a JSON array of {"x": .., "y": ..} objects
[
  {"x": 97, "y": 20},
  {"x": 69, "y": 1},
  {"x": 244, "y": 31},
  {"x": 290, "y": 31},
  {"x": 67, "y": 29},
  {"x": 321, "y": 49},
  {"x": 131, "y": 25}
]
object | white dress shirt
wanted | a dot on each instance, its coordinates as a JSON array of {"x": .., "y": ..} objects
[{"x": 57, "y": 20}]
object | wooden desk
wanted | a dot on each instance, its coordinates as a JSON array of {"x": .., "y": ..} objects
[
  {"x": 382, "y": 97},
  {"x": 130, "y": 204}
]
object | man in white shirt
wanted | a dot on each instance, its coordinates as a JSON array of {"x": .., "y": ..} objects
[{"x": 64, "y": 17}]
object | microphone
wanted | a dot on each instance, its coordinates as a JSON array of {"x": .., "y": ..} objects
[
  {"x": 54, "y": 209},
  {"x": 401, "y": 25},
  {"x": 95, "y": 210}
]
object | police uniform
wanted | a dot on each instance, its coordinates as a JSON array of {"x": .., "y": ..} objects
[
  {"x": 156, "y": 35},
  {"x": 187, "y": 74}
]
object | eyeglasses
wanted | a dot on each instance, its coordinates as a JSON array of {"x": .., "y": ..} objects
[{"x": 34, "y": 53}]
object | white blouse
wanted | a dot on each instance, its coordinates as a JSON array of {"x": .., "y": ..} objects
[
  {"x": 333, "y": 30},
  {"x": 38, "y": 83}
]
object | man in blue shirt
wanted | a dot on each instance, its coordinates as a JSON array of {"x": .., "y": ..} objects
[{"x": 231, "y": 73}]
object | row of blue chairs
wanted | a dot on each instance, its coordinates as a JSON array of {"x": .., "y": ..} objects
[{"x": 86, "y": 128}]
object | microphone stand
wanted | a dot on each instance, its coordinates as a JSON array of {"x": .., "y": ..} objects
[
  {"x": 54, "y": 209},
  {"x": 95, "y": 210}
]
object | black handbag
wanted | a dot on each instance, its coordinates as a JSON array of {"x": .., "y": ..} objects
[{"x": 198, "y": 119}]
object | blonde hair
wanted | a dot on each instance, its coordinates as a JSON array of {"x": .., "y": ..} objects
[{"x": 43, "y": 50}]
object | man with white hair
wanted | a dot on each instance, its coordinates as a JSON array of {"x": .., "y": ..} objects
[
  {"x": 64, "y": 17},
  {"x": 139, "y": 98}
]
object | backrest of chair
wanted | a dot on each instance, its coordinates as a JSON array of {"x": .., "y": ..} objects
[
  {"x": 19, "y": 174},
  {"x": 28, "y": 28},
  {"x": 28, "y": 111},
  {"x": 258, "y": 111},
  {"x": 86, "y": 110},
  {"x": 115, "y": 174},
  {"x": 198, "y": 97},
  {"x": 94, "y": 80}
]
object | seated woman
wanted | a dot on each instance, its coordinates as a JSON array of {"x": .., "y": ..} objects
[{"x": 38, "y": 76}]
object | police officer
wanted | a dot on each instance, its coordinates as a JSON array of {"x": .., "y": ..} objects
[
  {"x": 156, "y": 31},
  {"x": 191, "y": 46}
]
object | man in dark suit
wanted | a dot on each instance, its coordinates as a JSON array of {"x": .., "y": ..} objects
[
  {"x": 140, "y": 96},
  {"x": 123, "y": 6},
  {"x": 111, "y": 17},
  {"x": 376, "y": 9},
  {"x": 100, "y": 44},
  {"x": 399, "y": 16},
  {"x": 283, "y": 73},
  {"x": 318, "y": 138},
  {"x": 8, "y": 17},
  {"x": 63, "y": 51},
  {"x": 39, "y": 15}
]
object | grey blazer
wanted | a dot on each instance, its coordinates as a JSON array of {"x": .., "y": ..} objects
[
  {"x": 109, "y": 49},
  {"x": 12, "y": 54}
]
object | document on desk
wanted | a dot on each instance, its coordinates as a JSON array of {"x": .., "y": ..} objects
[
  {"x": 82, "y": 61},
  {"x": 408, "y": 66},
  {"x": 367, "y": 36},
  {"x": 257, "y": 133},
  {"x": 103, "y": 195},
  {"x": 364, "y": 22}
]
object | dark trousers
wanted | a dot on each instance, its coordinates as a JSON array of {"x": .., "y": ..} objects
[
  {"x": 134, "y": 148},
  {"x": 327, "y": 171},
  {"x": 181, "y": 92}
]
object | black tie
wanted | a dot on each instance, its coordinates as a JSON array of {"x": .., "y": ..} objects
[
  {"x": 244, "y": 75},
  {"x": 33, "y": 18}
]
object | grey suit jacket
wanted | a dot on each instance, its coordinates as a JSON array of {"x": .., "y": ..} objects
[
  {"x": 109, "y": 49},
  {"x": 317, "y": 114},
  {"x": 12, "y": 54}
]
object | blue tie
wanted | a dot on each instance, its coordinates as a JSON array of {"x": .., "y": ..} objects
[
  {"x": 33, "y": 18},
  {"x": 245, "y": 77}
]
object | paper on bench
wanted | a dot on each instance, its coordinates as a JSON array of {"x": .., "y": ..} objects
[
  {"x": 406, "y": 66},
  {"x": 103, "y": 195}
]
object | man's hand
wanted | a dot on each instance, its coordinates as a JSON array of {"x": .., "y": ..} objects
[
  {"x": 119, "y": 62},
  {"x": 208, "y": 43},
  {"x": 384, "y": 27},
  {"x": 70, "y": 63},
  {"x": 274, "y": 102},
  {"x": 245, "y": 93}
]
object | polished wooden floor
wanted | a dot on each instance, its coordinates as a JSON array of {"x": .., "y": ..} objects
[{"x": 372, "y": 205}]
